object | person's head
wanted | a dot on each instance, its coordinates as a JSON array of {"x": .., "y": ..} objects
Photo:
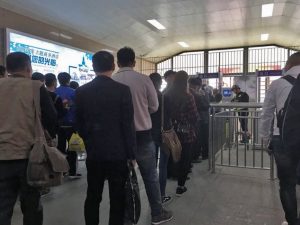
[
  {"x": 215, "y": 91},
  {"x": 178, "y": 91},
  {"x": 157, "y": 80},
  {"x": 293, "y": 60},
  {"x": 50, "y": 81},
  {"x": 195, "y": 83},
  {"x": 64, "y": 79},
  {"x": 38, "y": 76},
  {"x": 126, "y": 57},
  {"x": 169, "y": 76},
  {"x": 74, "y": 85},
  {"x": 19, "y": 63},
  {"x": 236, "y": 89},
  {"x": 103, "y": 63},
  {"x": 2, "y": 71}
]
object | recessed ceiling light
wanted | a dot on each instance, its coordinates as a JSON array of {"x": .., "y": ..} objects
[
  {"x": 267, "y": 10},
  {"x": 156, "y": 24},
  {"x": 264, "y": 37},
  {"x": 183, "y": 44}
]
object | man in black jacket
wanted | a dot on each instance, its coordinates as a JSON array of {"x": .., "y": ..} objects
[{"x": 104, "y": 115}]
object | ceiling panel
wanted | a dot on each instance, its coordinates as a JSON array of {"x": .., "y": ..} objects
[{"x": 200, "y": 23}]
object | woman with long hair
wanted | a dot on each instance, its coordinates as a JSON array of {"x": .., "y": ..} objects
[{"x": 184, "y": 116}]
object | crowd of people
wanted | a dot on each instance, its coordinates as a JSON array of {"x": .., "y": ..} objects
[{"x": 119, "y": 117}]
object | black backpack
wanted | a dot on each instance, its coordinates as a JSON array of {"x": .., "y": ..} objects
[
  {"x": 281, "y": 113},
  {"x": 290, "y": 129}
]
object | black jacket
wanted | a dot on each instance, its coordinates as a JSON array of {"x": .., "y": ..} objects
[
  {"x": 156, "y": 122},
  {"x": 202, "y": 104},
  {"x": 104, "y": 119}
]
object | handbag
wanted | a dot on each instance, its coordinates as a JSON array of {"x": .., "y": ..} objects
[
  {"x": 133, "y": 200},
  {"x": 76, "y": 143},
  {"x": 170, "y": 138},
  {"x": 46, "y": 165}
]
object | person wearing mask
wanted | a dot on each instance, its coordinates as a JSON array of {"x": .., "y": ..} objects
[
  {"x": 145, "y": 102},
  {"x": 17, "y": 132},
  {"x": 161, "y": 149},
  {"x": 104, "y": 115},
  {"x": 184, "y": 116},
  {"x": 2, "y": 71},
  {"x": 66, "y": 129},
  {"x": 286, "y": 160},
  {"x": 202, "y": 103},
  {"x": 74, "y": 85},
  {"x": 38, "y": 76},
  {"x": 242, "y": 97}
]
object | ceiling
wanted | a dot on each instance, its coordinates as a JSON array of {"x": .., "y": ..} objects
[{"x": 203, "y": 24}]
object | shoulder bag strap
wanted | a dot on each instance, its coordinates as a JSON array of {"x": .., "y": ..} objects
[
  {"x": 290, "y": 79},
  {"x": 162, "y": 112},
  {"x": 39, "y": 131}
]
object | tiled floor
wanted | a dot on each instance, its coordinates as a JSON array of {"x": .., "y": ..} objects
[{"x": 229, "y": 197}]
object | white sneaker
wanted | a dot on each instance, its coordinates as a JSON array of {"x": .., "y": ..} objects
[{"x": 285, "y": 223}]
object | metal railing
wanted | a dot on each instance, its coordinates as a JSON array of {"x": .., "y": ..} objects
[{"x": 234, "y": 139}]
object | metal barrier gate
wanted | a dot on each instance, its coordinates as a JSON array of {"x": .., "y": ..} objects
[{"x": 234, "y": 140}]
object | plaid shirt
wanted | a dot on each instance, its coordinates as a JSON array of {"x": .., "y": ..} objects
[{"x": 187, "y": 115}]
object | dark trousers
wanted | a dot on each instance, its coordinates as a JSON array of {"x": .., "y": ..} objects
[
  {"x": 64, "y": 135},
  {"x": 203, "y": 138},
  {"x": 287, "y": 163},
  {"x": 243, "y": 121},
  {"x": 183, "y": 166},
  {"x": 12, "y": 184},
  {"x": 116, "y": 174}
]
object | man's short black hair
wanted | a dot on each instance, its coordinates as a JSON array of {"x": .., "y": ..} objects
[
  {"x": 2, "y": 70},
  {"x": 50, "y": 78},
  {"x": 74, "y": 84},
  {"x": 156, "y": 79},
  {"x": 103, "y": 61},
  {"x": 64, "y": 78},
  {"x": 169, "y": 73},
  {"x": 17, "y": 61},
  {"x": 38, "y": 76},
  {"x": 126, "y": 57}
]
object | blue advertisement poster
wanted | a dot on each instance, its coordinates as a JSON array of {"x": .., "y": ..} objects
[{"x": 47, "y": 57}]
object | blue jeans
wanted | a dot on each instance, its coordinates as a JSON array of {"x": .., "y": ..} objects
[
  {"x": 13, "y": 183},
  {"x": 146, "y": 159},
  {"x": 163, "y": 169},
  {"x": 287, "y": 163}
]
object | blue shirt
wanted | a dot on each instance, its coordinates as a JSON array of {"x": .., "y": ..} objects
[{"x": 67, "y": 94}]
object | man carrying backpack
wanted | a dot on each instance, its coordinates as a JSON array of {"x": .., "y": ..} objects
[{"x": 277, "y": 132}]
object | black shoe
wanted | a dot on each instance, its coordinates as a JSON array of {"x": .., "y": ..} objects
[
  {"x": 204, "y": 157},
  {"x": 180, "y": 191},
  {"x": 197, "y": 161},
  {"x": 164, "y": 217},
  {"x": 166, "y": 199}
]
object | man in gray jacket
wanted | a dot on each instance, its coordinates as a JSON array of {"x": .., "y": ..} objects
[
  {"x": 145, "y": 102},
  {"x": 17, "y": 136},
  {"x": 286, "y": 164}
]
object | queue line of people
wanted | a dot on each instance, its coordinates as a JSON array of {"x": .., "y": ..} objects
[{"x": 118, "y": 115}]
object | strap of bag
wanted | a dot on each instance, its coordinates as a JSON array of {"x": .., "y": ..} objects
[
  {"x": 290, "y": 79},
  {"x": 162, "y": 112},
  {"x": 39, "y": 131}
]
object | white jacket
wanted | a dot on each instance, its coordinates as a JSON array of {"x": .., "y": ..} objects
[{"x": 276, "y": 96}]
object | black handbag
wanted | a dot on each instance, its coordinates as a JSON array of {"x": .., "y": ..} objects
[{"x": 133, "y": 200}]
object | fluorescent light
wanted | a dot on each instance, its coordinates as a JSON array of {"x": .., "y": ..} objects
[
  {"x": 156, "y": 24},
  {"x": 183, "y": 44},
  {"x": 54, "y": 33},
  {"x": 65, "y": 36},
  {"x": 267, "y": 10},
  {"x": 264, "y": 37}
]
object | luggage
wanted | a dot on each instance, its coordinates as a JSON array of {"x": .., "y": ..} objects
[
  {"x": 133, "y": 200},
  {"x": 290, "y": 131}
]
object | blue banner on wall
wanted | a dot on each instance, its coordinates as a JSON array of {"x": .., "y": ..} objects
[{"x": 269, "y": 73}]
